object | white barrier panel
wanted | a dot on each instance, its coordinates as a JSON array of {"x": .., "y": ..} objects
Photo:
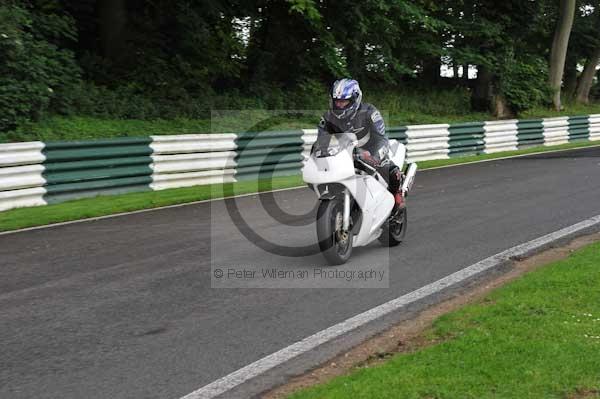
[
  {"x": 594, "y": 121},
  {"x": 22, "y": 198},
  {"x": 21, "y": 180},
  {"x": 192, "y": 159},
  {"x": 424, "y": 131},
  {"x": 309, "y": 136},
  {"x": 193, "y": 162},
  {"x": 15, "y": 154},
  {"x": 426, "y": 155},
  {"x": 174, "y": 180},
  {"x": 17, "y": 177},
  {"x": 190, "y": 143},
  {"x": 433, "y": 145},
  {"x": 556, "y": 130},
  {"x": 500, "y": 136},
  {"x": 425, "y": 142}
]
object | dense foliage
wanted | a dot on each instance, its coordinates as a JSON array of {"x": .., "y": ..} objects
[{"x": 161, "y": 59}]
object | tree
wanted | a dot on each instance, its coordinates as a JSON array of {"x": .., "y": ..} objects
[
  {"x": 37, "y": 72},
  {"x": 113, "y": 20},
  {"x": 570, "y": 77},
  {"x": 587, "y": 78},
  {"x": 558, "y": 51},
  {"x": 503, "y": 40},
  {"x": 584, "y": 46}
]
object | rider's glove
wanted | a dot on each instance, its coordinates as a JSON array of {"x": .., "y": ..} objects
[{"x": 367, "y": 158}]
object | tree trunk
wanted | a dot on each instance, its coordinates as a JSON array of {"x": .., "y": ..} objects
[
  {"x": 431, "y": 71},
  {"x": 465, "y": 74},
  {"x": 356, "y": 61},
  {"x": 113, "y": 19},
  {"x": 481, "y": 97},
  {"x": 455, "y": 71},
  {"x": 570, "y": 79},
  {"x": 587, "y": 78},
  {"x": 559, "y": 48},
  {"x": 501, "y": 108}
]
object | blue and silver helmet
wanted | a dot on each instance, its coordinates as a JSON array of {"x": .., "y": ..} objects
[{"x": 345, "y": 89}]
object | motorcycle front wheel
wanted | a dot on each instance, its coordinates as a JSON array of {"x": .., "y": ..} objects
[{"x": 334, "y": 242}]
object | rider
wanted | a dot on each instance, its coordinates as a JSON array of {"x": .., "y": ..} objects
[{"x": 347, "y": 113}]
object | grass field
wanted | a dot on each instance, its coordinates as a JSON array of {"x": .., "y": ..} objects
[
  {"x": 107, "y": 205},
  {"x": 538, "y": 337}
]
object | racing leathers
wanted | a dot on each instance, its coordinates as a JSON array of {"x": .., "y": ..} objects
[{"x": 373, "y": 145}]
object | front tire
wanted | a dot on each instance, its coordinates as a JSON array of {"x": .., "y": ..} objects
[
  {"x": 335, "y": 244},
  {"x": 394, "y": 230}
]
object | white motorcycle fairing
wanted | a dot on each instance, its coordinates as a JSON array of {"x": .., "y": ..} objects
[{"x": 370, "y": 193}]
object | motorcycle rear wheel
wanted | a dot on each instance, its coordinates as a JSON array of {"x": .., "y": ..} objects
[
  {"x": 394, "y": 230},
  {"x": 335, "y": 244}
]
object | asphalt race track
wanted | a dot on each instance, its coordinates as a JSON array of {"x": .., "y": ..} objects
[{"x": 123, "y": 307}]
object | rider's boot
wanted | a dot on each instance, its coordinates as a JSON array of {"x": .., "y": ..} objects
[{"x": 399, "y": 202}]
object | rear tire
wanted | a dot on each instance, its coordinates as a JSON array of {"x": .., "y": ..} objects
[
  {"x": 394, "y": 230},
  {"x": 335, "y": 244}
]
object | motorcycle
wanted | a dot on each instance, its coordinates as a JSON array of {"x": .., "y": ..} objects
[{"x": 355, "y": 206}]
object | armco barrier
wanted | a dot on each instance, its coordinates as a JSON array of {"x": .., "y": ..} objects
[
  {"x": 500, "y": 136},
  {"x": 424, "y": 142},
  {"x": 268, "y": 154},
  {"x": 192, "y": 159},
  {"x": 21, "y": 180},
  {"x": 37, "y": 173},
  {"x": 88, "y": 168}
]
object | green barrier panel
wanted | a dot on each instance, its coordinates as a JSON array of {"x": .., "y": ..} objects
[
  {"x": 268, "y": 159},
  {"x": 462, "y": 145},
  {"x": 61, "y": 194},
  {"x": 465, "y": 139},
  {"x": 97, "y": 174},
  {"x": 78, "y": 151},
  {"x": 279, "y": 153},
  {"x": 75, "y": 169},
  {"x": 117, "y": 141},
  {"x": 474, "y": 128},
  {"x": 530, "y": 132},
  {"x": 466, "y": 152},
  {"x": 96, "y": 163},
  {"x": 268, "y": 171},
  {"x": 398, "y": 133},
  {"x": 249, "y": 140},
  {"x": 461, "y": 137},
  {"x": 98, "y": 184},
  {"x": 579, "y": 128}
]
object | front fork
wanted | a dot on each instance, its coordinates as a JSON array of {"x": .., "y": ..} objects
[
  {"x": 347, "y": 202},
  {"x": 346, "y": 216}
]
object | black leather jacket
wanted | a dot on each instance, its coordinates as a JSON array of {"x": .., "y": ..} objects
[{"x": 368, "y": 126}]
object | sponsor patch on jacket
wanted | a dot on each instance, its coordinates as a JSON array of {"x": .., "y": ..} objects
[
  {"x": 378, "y": 122},
  {"x": 376, "y": 117}
]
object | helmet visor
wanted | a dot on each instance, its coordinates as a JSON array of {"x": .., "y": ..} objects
[{"x": 341, "y": 104}]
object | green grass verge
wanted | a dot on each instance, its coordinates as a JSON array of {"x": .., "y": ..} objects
[
  {"x": 538, "y": 337},
  {"x": 105, "y": 205}
]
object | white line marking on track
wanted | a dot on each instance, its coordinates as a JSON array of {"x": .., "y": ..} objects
[{"x": 257, "y": 368}]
